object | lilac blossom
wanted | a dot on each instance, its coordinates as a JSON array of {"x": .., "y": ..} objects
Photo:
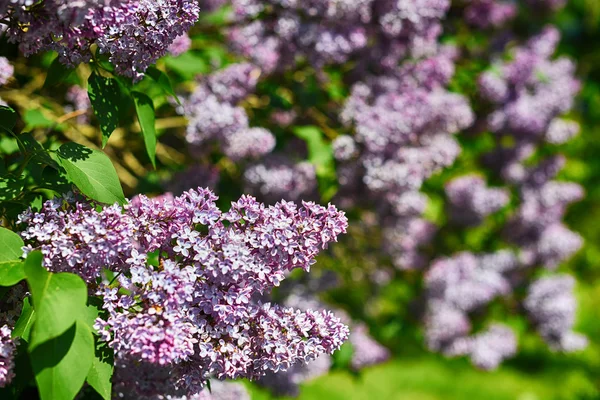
[
  {"x": 133, "y": 33},
  {"x": 287, "y": 383},
  {"x": 490, "y": 13},
  {"x": 78, "y": 240},
  {"x": 215, "y": 116},
  {"x": 551, "y": 306},
  {"x": 459, "y": 286},
  {"x": 531, "y": 90},
  {"x": 220, "y": 390},
  {"x": 10, "y": 310},
  {"x": 333, "y": 31},
  {"x": 278, "y": 177},
  {"x": 464, "y": 282},
  {"x": 194, "y": 314},
  {"x": 470, "y": 200},
  {"x": 6, "y": 70},
  {"x": 198, "y": 175},
  {"x": 487, "y": 349},
  {"x": 79, "y": 102},
  {"x": 366, "y": 351},
  {"x": 403, "y": 135},
  {"x": 180, "y": 45},
  {"x": 8, "y": 348}
]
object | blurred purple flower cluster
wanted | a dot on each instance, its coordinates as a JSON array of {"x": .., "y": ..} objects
[
  {"x": 366, "y": 351},
  {"x": 379, "y": 33},
  {"x": 214, "y": 114},
  {"x": 134, "y": 33},
  {"x": 490, "y": 13},
  {"x": 192, "y": 274},
  {"x": 528, "y": 96},
  {"x": 10, "y": 309},
  {"x": 403, "y": 122},
  {"x": 470, "y": 200},
  {"x": 458, "y": 286}
]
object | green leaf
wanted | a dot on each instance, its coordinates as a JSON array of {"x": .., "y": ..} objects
[
  {"x": 187, "y": 64},
  {"x": 11, "y": 272},
  {"x": 25, "y": 321},
  {"x": 92, "y": 172},
  {"x": 320, "y": 154},
  {"x": 11, "y": 245},
  {"x": 35, "y": 118},
  {"x": 58, "y": 299},
  {"x": 145, "y": 113},
  {"x": 34, "y": 148},
  {"x": 61, "y": 365},
  {"x": 105, "y": 96},
  {"x": 8, "y": 118},
  {"x": 163, "y": 81},
  {"x": 10, "y": 187},
  {"x": 100, "y": 374},
  {"x": 57, "y": 73}
]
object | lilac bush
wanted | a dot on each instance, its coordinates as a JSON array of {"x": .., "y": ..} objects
[{"x": 528, "y": 96}]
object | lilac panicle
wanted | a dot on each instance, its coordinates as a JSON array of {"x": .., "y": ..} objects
[
  {"x": 195, "y": 313},
  {"x": 133, "y": 33}
]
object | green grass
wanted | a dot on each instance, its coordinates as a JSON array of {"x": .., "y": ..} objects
[{"x": 431, "y": 378}]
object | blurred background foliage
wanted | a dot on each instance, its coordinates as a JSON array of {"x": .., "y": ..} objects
[{"x": 413, "y": 373}]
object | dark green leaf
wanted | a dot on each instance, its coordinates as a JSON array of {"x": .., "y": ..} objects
[
  {"x": 58, "y": 299},
  {"x": 10, "y": 187},
  {"x": 146, "y": 117},
  {"x": 25, "y": 321},
  {"x": 100, "y": 374},
  {"x": 11, "y": 272},
  {"x": 11, "y": 245},
  {"x": 105, "y": 97},
  {"x": 35, "y": 149},
  {"x": 57, "y": 73},
  {"x": 92, "y": 172},
  {"x": 163, "y": 81},
  {"x": 61, "y": 365},
  {"x": 8, "y": 118}
]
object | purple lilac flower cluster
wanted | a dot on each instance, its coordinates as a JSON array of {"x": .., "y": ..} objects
[
  {"x": 490, "y": 13},
  {"x": 470, "y": 200},
  {"x": 214, "y": 114},
  {"x": 528, "y": 94},
  {"x": 8, "y": 348},
  {"x": 191, "y": 313},
  {"x": 276, "y": 177},
  {"x": 198, "y": 175},
  {"x": 10, "y": 309},
  {"x": 530, "y": 91},
  {"x": 222, "y": 391},
  {"x": 134, "y": 33},
  {"x": 287, "y": 383},
  {"x": 403, "y": 126},
  {"x": 551, "y": 306},
  {"x": 274, "y": 33},
  {"x": 6, "y": 70},
  {"x": 79, "y": 100},
  {"x": 180, "y": 45},
  {"x": 366, "y": 351},
  {"x": 461, "y": 285}
]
